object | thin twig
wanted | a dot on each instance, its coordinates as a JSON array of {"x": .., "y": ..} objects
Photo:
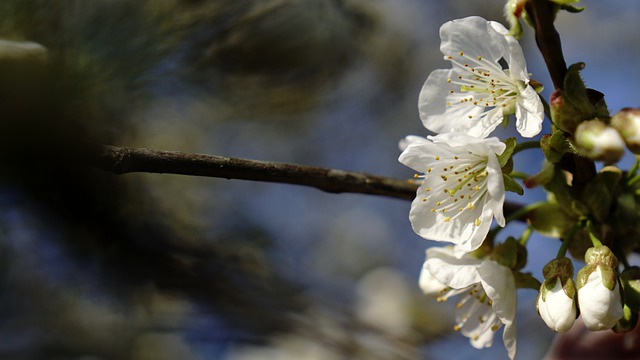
[{"x": 123, "y": 160}]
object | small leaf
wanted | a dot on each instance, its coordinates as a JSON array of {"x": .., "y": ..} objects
[{"x": 512, "y": 185}]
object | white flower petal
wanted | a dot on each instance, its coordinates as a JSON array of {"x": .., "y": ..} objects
[
  {"x": 514, "y": 57},
  {"x": 557, "y": 310},
  {"x": 451, "y": 270},
  {"x": 477, "y": 92},
  {"x": 487, "y": 295},
  {"x": 476, "y": 319},
  {"x": 500, "y": 286},
  {"x": 474, "y": 35},
  {"x": 495, "y": 187},
  {"x": 529, "y": 113},
  {"x": 600, "y": 307},
  {"x": 462, "y": 187},
  {"x": 509, "y": 338},
  {"x": 429, "y": 285}
]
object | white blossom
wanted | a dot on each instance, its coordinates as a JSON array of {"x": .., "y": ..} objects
[
  {"x": 599, "y": 141},
  {"x": 462, "y": 187},
  {"x": 556, "y": 308},
  {"x": 486, "y": 292},
  {"x": 600, "y": 307},
  {"x": 477, "y": 92}
]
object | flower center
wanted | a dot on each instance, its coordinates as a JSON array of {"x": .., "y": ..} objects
[
  {"x": 461, "y": 186},
  {"x": 482, "y": 83}
]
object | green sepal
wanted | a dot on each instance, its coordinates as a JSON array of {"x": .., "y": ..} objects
[
  {"x": 512, "y": 185},
  {"x": 601, "y": 255},
  {"x": 569, "y": 288},
  {"x": 526, "y": 281},
  {"x": 562, "y": 267},
  {"x": 609, "y": 277},
  {"x": 551, "y": 220},
  {"x": 600, "y": 192},
  {"x": 583, "y": 275},
  {"x": 508, "y": 167},
  {"x": 508, "y": 151},
  {"x": 562, "y": 270}
]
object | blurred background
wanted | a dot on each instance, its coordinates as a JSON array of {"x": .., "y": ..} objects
[{"x": 149, "y": 266}]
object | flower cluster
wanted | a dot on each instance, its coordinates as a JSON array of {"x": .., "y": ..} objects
[
  {"x": 463, "y": 175},
  {"x": 461, "y": 170}
]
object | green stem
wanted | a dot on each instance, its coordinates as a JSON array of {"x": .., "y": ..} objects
[
  {"x": 594, "y": 239},
  {"x": 523, "y": 211},
  {"x": 526, "y": 234},
  {"x": 566, "y": 241},
  {"x": 519, "y": 175},
  {"x": 526, "y": 145}
]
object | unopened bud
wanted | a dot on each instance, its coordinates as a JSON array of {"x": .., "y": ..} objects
[
  {"x": 556, "y": 302},
  {"x": 627, "y": 122},
  {"x": 513, "y": 10},
  {"x": 599, "y": 293},
  {"x": 598, "y": 141}
]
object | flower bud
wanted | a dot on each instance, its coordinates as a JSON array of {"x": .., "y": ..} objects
[
  {"x": 598, "y": 141},
  {"x": 556, "y": 300},
  {"x": 565, "y": 116},
  {"x": 513, "y": 10},
  {"x": 627, "y": 122},
  {"x": 599, "y": 293}
]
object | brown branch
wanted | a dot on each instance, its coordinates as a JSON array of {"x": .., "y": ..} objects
[
  {"x": 542, "y": 14},
  {"x": 123, "y": 160}
]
